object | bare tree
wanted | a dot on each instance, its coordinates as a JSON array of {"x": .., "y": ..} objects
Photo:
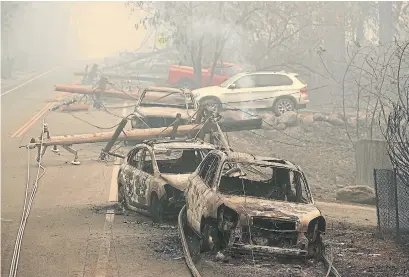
[
  {"x": 8, "y": 11},
  {"x": 397, "y": 131}
]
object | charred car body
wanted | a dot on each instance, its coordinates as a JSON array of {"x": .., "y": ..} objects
[
  {"x": 163, "y": 109},
  {"x": 153, "y": 175},
  {"x": 258, "y": 204}
]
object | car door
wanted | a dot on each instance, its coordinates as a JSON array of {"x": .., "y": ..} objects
[
  {"x": 129, "y": 175},
  {"x": 240, "y": 93},
  {"x": 145, "y": 178},
  {"x": 269, "y": 87},
  {"x": 201, "y": 190}
]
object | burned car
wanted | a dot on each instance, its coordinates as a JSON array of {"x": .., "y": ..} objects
[
  {"x": 160, "y": 109},
  {"x": 153, "y": 175},
  {"x": 259, "y": 204}
]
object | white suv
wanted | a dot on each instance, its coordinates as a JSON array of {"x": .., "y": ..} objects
[{"x": 279, "y": 91}]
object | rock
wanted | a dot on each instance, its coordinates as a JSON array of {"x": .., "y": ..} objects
[
  {"x": 281, "y": 126},
  {"x": 353, "y": 122},
  {"x": 362, "y": 121},
  {"x": 219, "y": 256},
  {"x": 306, "y": 123},
  {"x": 270, "y": 121},
  {"x": 306, "y": 119},
  {"x": 357, "y": 194},
  {"x": 288, "y": 118},
  {"x": 319, "y": 117},
  {"x": 335, "y": 120}
]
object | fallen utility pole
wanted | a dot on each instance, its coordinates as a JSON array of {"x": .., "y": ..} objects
[
  {"x": 125, "y": 77},
  {"x": 190, "y": 130},
  {"x": 98, "y": 91},
  {"x": 147, "y": 134},
  {"x": 118, "y": 94}
]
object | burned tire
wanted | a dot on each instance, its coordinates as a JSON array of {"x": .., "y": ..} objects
[
  {"x": 156, "y": 209},
  {"x": 316, "y": 249},
  {"x": 121, "y": 197},
  {"x": 211, "y": 104},
  {"x": 210, "y": 239},
  {"x": 283, "y": 105}
]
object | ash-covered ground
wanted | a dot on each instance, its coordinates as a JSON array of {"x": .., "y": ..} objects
[{"x": 355, "y": 250}]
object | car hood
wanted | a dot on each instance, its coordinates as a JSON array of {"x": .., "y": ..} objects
[
  {"x": 162, "y": 112},
  {"x": 252, "y": 206},
  {"x": 179, "y": 181},
  {"x": 213, "y": 90}
]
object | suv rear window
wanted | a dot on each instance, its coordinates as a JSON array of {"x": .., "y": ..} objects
[
  {"x": 273, "y": 80},
  {"x": 301, "y": 80}
]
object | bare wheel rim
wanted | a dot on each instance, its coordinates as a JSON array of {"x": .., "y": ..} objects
[
  {"x": 211, "y": 106},
  {"x": 157, "y": 209},
  {"x": 121, "y": 195},
  {"x": 208, "y": 237},
  {"x": 284, "y": 105}
]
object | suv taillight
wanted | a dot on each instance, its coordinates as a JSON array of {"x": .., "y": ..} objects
[{"x": 303, "y": 90}]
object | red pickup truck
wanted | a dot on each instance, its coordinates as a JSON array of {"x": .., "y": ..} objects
[{"x": 183, "y": 76}]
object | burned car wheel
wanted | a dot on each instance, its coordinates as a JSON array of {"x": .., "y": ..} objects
[
  {"x": 121, "y": 197},
  {"x": 156, "y": 209},
  {"x": 211, "y": 104},
  {"x": 226, "y": 223},
  {"x": 316, "y": 248},
  {"x": 315, "y": 245},
  {"x": 210, "y": 238},
  {"x": 121, "y": 194}
]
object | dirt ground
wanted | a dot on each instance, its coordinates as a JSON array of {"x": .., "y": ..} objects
[{"x": 354, "y": 247}]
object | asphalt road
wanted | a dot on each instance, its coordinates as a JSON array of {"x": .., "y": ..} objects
[{"x": 69, "y": 232}]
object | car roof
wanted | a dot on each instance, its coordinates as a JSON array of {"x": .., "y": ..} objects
[
  {"x": 242, "y": 74},
  {"x": 257, "y": 160},
  {"x": 179, "y": 144},
  {"x": 272, "y": 73},
  {"x": 183, "y": 145}
]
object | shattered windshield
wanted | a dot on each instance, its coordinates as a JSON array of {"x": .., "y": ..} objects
[
  {"x": 177, "y": 161},
  {"x": 263, "y": 181},
  {"x": 177, "y": 99}
]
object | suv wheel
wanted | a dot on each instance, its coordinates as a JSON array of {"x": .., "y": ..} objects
[{"x": 283, "y": 105}]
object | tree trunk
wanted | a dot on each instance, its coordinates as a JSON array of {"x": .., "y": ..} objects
[
  {"x": 334, "y": 43},
  {"x": 197, "y": 62},
  {"x": 386, "y": 31}
]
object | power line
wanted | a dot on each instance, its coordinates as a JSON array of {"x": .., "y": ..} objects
[
  {"x": 27, "y": 206},
  {"x": 282, "y": 142},
  {"x": 93, "y": 125}
]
